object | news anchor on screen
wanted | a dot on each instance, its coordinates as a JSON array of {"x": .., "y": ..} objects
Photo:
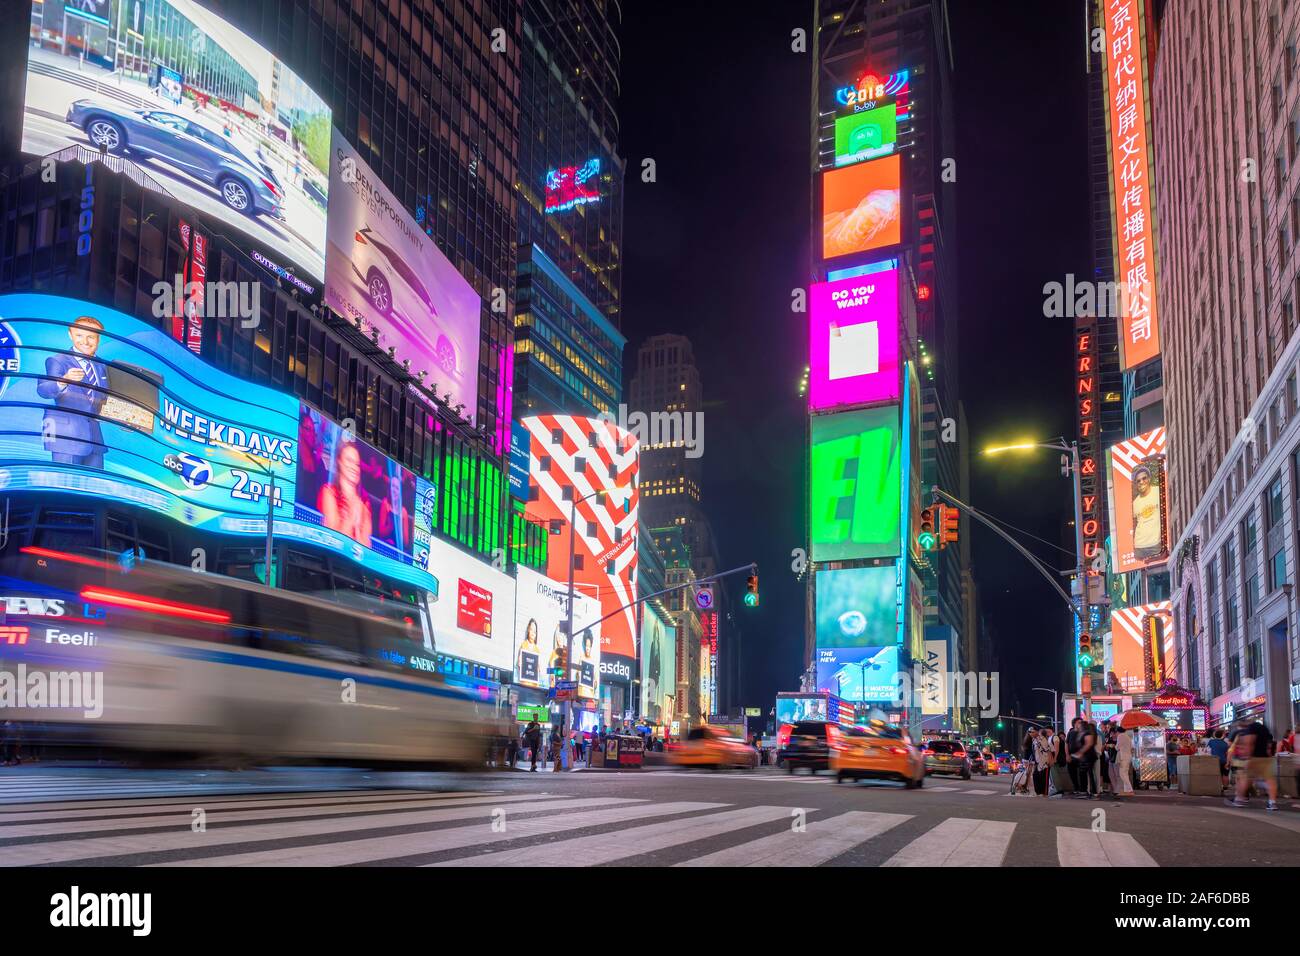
[{"x": 77, "y": 384}]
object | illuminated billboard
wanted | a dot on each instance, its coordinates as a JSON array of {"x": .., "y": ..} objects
[
  {"x": 658, "y": 665},
  {"x": 866, "y": 135},
  {"x": 853, "y": 341},
  {"x": 857, "y": 607},
  {"x": 472, "y": 615},
  {"x": 571, "y": 186},
  {"x": 870, "y": 91},
  {"x": 94, "y": 402},
  {"x": 572, "y": 457},
  {"x": 541, "y": 615},
  {"x": 862, "y": 207},
  {"x": 1132, "y": 216},
  {"x": 383, "y": 270},
  {"x": 1141, "y": 650},
  {"x": 1139, "y": 502},
  {"x": 211, "y": 116},
  {"x": 859, "y": 674},
  {"x": 855, "y": 493}
]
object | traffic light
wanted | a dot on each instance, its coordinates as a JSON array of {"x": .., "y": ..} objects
[
  {"x": 560, "y": 663},
  {"x": 948, "y": 518},
  {"x": 751, "y": 591},
  {"x": 925, "y": 538},
  {"x": 1085, "y": 650}
]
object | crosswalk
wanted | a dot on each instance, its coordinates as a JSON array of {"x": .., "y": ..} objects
[
  {"x": 493, "y": 828},
  {"x": 28, "y": 787}
]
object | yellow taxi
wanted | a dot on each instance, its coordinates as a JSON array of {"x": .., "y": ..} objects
[
  {"x": 878, "y": 750},
  {"x": 709, "y": 746}
]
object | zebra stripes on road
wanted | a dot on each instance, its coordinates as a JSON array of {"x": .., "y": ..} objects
[{"x": 484, "y": 828}]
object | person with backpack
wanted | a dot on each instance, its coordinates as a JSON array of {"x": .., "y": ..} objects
[
  {"x": 533, "y": 741},
  {"x": 1087, "y": 756},
  {"x": 1252, "y": 756}
]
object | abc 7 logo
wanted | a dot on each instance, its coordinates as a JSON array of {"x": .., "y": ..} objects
[{"x": 194, "y": 472}]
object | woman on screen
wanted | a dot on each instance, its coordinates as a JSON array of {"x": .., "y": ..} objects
[
  {"x": 341, "y": 504},
  {"x": 530, "y": 656}
]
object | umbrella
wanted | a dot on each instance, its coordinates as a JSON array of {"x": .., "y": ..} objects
[{"x": 1138, "y": 718}]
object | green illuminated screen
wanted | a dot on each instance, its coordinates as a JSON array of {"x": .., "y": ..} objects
[
  {"x": 855, "y": 485},
  {"x": 866, "y": 135}
]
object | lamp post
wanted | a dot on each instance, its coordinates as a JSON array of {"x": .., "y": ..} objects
[
  {"x": 1056, "y": 709},
  {"x": 1081, "y": 570}
]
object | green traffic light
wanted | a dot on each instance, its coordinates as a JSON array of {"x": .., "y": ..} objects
[
  {"x": 1085, "y": 660},
  {"x": 926, "y": 540},
  {"x": 751, "y": 599}
]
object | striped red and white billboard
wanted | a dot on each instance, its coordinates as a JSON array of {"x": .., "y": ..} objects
[
  {"x": 1138, "y": 660},
  {"x": 1139, "y": 502},
  {"x": 572, "y": 457}
]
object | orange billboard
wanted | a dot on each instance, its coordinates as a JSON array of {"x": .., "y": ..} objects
[
  {"x": 1139, "y": 502},
  {"x": 1128, "y": 110},
  {"x": 1141, "y": 647},
  {"x": 862, "y": 207}
]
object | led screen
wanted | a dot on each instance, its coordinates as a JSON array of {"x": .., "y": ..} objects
[
  {"x": 854, "y": 487},
  {"x": 861, "y": 207},
  {"x": 792, "y": 708},
  {"x": 658, "y": 665},
  {"x": 382, "y": 269},
  {"x": 853, "y": 341},
  {"x": 571, "y": 458},
  {"x": 859, "y": 674},
  {"x": 1139, "y": 502},
  {"x": 540, "y": 619},
  {"x": 473, "y": 614},
  {"x": 866, "y": 135},
  {"x": 571, "y": 186},
  {"x": 1133, "y": 664},
  {"x": 857, "y": 607},
  {"x": 209, "y": 115}
]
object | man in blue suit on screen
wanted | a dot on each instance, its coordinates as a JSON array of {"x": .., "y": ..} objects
[{"x": 77, "y": 384}]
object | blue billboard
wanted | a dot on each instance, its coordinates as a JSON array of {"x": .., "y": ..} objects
[
  {"x": 94, "y": 402},
  {"x": 859, "y": 674}
]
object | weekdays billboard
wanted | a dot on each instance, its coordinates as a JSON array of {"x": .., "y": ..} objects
[
  {"x": 859, "y": 674},
  {"x": 862, "y": 207},
  {"x": 854, "y": 485},
  {"x": 210, "y": 115},
  {"x": 857, "y": 607},
  {"x": 571, "y": 458},
  {"x": 853, "y": 341},
  {"x": 541, "y": 615},
  {"x": 1139, "y": 501},
  {"x": 382, "y": 269},
  {"x": 95, "y": 402}
]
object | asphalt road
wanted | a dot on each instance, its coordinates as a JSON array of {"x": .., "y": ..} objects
[{"x": 95, "y": 817}]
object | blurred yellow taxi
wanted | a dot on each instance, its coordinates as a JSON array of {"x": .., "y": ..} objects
[
  {"x": 878, "y": 750},
  {"x": 712, "y": 747}
]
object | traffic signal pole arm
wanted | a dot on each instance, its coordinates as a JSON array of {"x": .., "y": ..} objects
[
  {"x": 743, "y": 569},
  {"x": 1048, "y": 574}
]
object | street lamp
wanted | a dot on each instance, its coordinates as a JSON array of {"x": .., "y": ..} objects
[
  {"x": 1081, "y": 571},
  {"x": 1055, "y": 706}
]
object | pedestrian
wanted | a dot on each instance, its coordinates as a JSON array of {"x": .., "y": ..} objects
[
  {"x": 1218, "y": 747},
  {"x": 1072, "y": 742},
  {"x": 1110, "y": 753},
  {"x": 1043, "y": 759},
  {"x": 1024, "y": 777},
  {"x": 1171, "y": 759},
  {"x": 1253, "y": 759},
  {"x": 1087, "y": 756},
  {"x": 1123, "y": 779},
  {"x": 533, "y": 740},
  {"x": 1107, "y": 756},
  {"x": 1059, "y": 772}
]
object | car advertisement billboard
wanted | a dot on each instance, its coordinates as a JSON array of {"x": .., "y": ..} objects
[
  {"x": 857, "y": 607},
  {"x": 209, "y": 115},
  {"x": 853, "y": 341},
  {"x": 95, "y": 402},
  {"x": 1141, "y": 647},
  {"x": 658, "y": 665},
  {"x": 1139, "y": 501},
  {"x": 855, "y": 486},
  {"x": 571, "y": 458},
  {"x": 472, "y": 615},
  {"x": 382, "y": 269},
  {"x": 867, "y": 135},
  {"x": 862, "y": 207},
  {"x": 859, "y": 674},
  {"x": 541, "y": 615}
]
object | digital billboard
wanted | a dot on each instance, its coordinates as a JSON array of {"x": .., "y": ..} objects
[
  {"x": 209, "y": 114},
  {"x": 866, "y": 135},
  {"x": 855, "y": 488},
  {"x": 541, "y": 614},
  {"x": 658, "y": 665},
  {"x": 1139, "y": 501},
  {"x": 571, "y": 458},
  {"x": 571, "y": 186},
  {"x": 1132, "y": 216},
  {"x": 862, "y": 207},
  {"x": 853, "y": 341},
  {"x": 857, "y": 607},
  {"x": 1141, "y": 646},
  {"x": 382, "y": 269},
  {"x": 859, "y": 674},
  {"x": 472, "y": 615}
]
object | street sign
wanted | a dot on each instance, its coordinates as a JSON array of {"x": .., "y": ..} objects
[{"x": 704, "y": 597}]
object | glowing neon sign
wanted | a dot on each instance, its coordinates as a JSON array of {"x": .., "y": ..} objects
[
  {"x": 871, "y": 90},
  {"x": 571, "y": 186}
]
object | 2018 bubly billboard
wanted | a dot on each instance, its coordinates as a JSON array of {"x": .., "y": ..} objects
[{"x": 97, "y": 403}]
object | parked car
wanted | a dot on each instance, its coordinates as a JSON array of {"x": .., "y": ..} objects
[
  {"x": 711, "y": 747},
  {"x": 946, "y": 756},
  {"x": 806, "y": 743},
  {"x": 879, "y": 750},
  {"x": 244, "y": 182}
]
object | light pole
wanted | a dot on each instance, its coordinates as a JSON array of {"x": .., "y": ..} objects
[
  {"x": 1056, "y": 708},
  {"x": 1081, "y": 570}
]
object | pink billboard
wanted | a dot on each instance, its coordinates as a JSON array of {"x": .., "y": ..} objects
[{"x": 853, "y": 341}]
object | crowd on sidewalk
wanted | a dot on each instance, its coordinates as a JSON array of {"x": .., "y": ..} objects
[{"x": 562, "y": 750}]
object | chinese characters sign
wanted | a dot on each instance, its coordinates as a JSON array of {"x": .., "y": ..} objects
[{"x": 1131, "y": 180}]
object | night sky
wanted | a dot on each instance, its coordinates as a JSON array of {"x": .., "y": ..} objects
[{"x": 713, "y": 248}]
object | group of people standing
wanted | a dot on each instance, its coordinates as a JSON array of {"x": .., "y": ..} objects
[{"x": 1085, "y": 761}]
